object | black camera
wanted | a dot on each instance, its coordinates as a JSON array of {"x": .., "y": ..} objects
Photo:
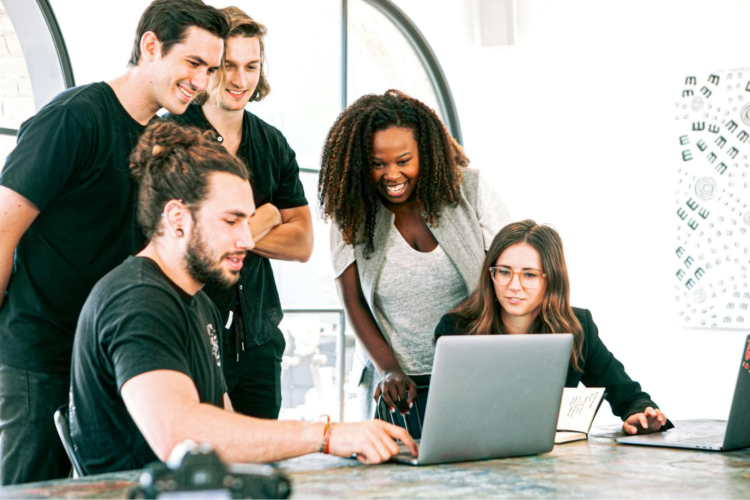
[{"x": 195, "y": 471}]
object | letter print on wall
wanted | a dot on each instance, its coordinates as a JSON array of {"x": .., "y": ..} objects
[{"x": 712, "y": 203}]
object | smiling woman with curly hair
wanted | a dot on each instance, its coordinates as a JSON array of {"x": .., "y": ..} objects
[{"x": 411, "y": 225}]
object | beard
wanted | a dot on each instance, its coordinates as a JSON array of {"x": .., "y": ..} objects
[{"x": 204, "y": 266}]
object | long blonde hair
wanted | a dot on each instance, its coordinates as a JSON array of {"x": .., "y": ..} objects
[{"x": 480, "y": 313}]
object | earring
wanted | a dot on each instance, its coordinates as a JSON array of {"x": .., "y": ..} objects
[{"x": 179, "y": 232}]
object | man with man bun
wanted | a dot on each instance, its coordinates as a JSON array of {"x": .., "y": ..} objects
[
  {"x": 146, "y": 361},
  {"x": 67, "y": 217}
]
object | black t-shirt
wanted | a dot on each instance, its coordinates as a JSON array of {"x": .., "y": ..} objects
[
  {"x": 71, "y": 161},
  {"x": 136, "y": 320},
  {"x": 274, "y": 175}
]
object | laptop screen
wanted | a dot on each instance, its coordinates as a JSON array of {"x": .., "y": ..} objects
[{"x": 738, "y": 426}]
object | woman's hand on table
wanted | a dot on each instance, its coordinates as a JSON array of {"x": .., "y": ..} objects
[
  {"x": 372, "y": 441},
  {"x": 398, "y": 390},
  {"x": 651, "y": 420}
]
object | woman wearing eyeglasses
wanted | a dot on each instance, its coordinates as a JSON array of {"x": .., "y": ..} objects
[
  {"x": 410, "y": 228},
  {"x": 524, "y": 288}
]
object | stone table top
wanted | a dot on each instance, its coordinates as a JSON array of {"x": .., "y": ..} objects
[{"x": 597, "y": 468}]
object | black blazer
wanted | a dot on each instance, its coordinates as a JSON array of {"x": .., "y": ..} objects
[{"x": 599, "y": 367}]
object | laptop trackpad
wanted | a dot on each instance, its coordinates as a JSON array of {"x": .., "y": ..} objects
[{"x": 404, "y": 455}]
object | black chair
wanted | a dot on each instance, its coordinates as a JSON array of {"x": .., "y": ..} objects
[{"x": 63, "y": 430}]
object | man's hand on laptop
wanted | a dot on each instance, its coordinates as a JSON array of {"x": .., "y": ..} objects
[
  {"x": 399, "y": 391},
  {"x": 651, "y": 420},
  {"x": 372, "y": 441}
]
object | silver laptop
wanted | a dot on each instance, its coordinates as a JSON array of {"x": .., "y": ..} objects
[
  {"x": 710, "y": 435},
  {"x": 492, "y": 396}
]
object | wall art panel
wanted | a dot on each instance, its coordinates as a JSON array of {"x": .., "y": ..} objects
[{"x": 712, "y": 209}]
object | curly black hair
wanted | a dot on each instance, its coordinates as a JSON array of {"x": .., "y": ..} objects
[{"x": 346, "y": 192}]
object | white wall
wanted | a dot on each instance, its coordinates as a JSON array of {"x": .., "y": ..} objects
[{"x": 574, "y": 124}]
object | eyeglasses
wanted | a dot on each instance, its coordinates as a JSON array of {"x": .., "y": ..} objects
[{"x": 528, "y": 279}]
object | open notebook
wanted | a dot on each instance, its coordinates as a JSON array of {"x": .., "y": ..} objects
[{"x": 577, "y": 411}]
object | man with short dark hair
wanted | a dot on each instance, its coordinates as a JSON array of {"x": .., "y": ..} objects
[
  {"x": 67, "y": 218},
  {"x": 146, "y": 361}
]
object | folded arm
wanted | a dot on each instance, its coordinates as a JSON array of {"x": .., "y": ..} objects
[
  {"x": 285, "y": 234},
  {"x": 16, "y": 215}
]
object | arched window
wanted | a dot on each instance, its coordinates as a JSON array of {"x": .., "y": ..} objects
[
  {"x": 34, "y": 65},
  {"x": 385, "y": 49}
]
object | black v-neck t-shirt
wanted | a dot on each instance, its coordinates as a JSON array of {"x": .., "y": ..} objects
[
  {"x": 71, "y": 162},
  {"x": 135, "y": 321},
  {"x": 274, "y": 176}
]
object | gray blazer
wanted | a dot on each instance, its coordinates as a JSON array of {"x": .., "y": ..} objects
[{"x": 458, "y": 233}]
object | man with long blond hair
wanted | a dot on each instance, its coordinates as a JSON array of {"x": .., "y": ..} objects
[{"x": 281, "y": 226}]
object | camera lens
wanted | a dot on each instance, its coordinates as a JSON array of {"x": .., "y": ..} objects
[{"x": 201, "y": 477}]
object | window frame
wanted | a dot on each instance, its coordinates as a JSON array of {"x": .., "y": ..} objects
[
  {"x": 31, "y": 20},
  {"x": 46, "y": 86},
  {"x": 424, "y": 52}
]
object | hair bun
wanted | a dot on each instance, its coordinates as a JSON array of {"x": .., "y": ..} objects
[{"x": 164, "y": 146}]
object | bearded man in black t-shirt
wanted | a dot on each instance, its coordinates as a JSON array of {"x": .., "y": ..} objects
[
  {"x": 67, "y": 218},
  {"x": 281, "y": 226},
  {"x": 146, "y": 359}
]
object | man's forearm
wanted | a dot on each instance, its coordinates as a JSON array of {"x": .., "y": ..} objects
[
  {"x": 286, "y": 242},
  {"x": 290, "y": 240},
  {"x": 237, "y": 438},
  {"x": 266, "y": 218}
]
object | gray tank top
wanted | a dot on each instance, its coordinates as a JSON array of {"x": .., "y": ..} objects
[{"x": 414, "y": 291}]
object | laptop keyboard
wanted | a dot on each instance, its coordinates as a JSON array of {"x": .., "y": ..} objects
[
  {"x": 404, "y": 453},
  {"x": 716, "y": 439},
  {"x": 402, "y": 448}
]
